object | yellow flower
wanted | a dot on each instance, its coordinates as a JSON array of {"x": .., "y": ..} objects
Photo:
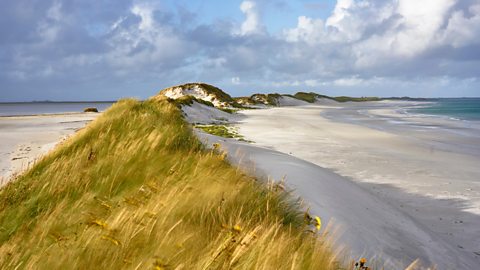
[
  {"x": 237, "y": 228},
  {"x": 318, "y": 223}
]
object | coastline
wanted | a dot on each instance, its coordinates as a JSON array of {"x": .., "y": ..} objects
[
  {"x": 25, "y": 139},
  {"x": 429, "y": 178},
  {"x": 355, "y": 177}
]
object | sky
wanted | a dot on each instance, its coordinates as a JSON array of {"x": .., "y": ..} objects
[{"x": 110, "y": 49}]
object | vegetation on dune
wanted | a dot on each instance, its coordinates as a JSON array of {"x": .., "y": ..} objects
[
  {"x": 188, "y": 101},
  {"x": 244, "y": 100},
  {"x": 308, "y": 97},
  {"x": 221, "y": 131},
  {"x": 135, "y": 189},
  {"x": 267, "y": 99},
  {"x": 217, "y": 94},
  {"x": 356, "y": 99},
  {"x": 255, "y": 99},
  {"x": 312, "y": 97}
]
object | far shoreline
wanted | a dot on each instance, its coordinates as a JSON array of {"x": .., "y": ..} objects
[
  {"x": 48, "y": 114},
  {"x": 25, "y": 139}
]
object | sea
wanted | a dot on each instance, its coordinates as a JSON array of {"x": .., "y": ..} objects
[
  {"x": 34, "y": 108},
  {"x": 455, "y": 108}
]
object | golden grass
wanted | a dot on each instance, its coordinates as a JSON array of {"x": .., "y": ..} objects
[{"x": 136, "y": 190}]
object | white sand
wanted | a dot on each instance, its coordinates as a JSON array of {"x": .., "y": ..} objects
[
  {"x": 24, "y": 139},
  {"x": 202, "y": 114},
  {"x": 396, "y": 195}
]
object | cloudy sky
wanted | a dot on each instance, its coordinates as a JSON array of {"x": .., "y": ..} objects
[{"x": 107, "y": 49}]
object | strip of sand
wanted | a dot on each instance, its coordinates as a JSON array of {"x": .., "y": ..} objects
[
  {"x": 433, "y": 189},
  {"x": 24, "y": 139}
]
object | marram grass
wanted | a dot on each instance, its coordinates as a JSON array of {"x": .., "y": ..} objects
[{"x": 136, "y": 190}]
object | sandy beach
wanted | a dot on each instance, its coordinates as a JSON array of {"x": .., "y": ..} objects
[
  {"x": 398, "y": 187},
  {"x": 24, "y": 139}
]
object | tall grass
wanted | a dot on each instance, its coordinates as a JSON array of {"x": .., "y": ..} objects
[{"x": 136, "y": 190}]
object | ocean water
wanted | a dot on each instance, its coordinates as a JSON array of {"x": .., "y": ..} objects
[
  {"x": 33, "y": 108},
  {"x": 458, "y": 108}
]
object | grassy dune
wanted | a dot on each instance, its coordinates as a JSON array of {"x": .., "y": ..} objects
[{"x": 136, "y": 190}]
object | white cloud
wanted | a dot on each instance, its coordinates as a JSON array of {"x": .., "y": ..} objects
[
  {"x": 421, "y": 21},
  {"x": 145, "y": 12},
  {"x": 145, "y": 44},
  {"x": 363, "y": 40},
  {"x": 462, "y": 29},
  {"x": 308, "y": 30},
  {"x": 251, "y": 24},
  {"x": 378, "y": 33},
  {"x": 50, "y": 26}
]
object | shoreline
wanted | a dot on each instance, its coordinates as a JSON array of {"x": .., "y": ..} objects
[
  {"x": 25, "y": 139},
  {"x": 47, "y": 114},
  {"x": 329, "y": 165},
  {"x": 428, "y": 177}
]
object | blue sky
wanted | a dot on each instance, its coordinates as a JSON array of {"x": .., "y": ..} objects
[{"x": 109, "y": 49}]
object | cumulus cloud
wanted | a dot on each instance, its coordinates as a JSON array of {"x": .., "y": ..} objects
[
  {"x": 379, "y": 34},
  {"x": 144, "y": 43},
  {"x": 309, "y": 30},
  {"x": 363, "y": 44},
  {"x": 462, "y": 28},
  {"x": 251, "y": 25}
]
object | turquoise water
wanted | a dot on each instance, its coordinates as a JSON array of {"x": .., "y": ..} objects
[{"x": 459, "y": 108}]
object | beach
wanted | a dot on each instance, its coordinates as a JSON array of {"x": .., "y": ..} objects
[
  {"x": 24, "y": 139},
  {"x": 396, "y": 186},
  {"x": 388, "y": 185}
]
